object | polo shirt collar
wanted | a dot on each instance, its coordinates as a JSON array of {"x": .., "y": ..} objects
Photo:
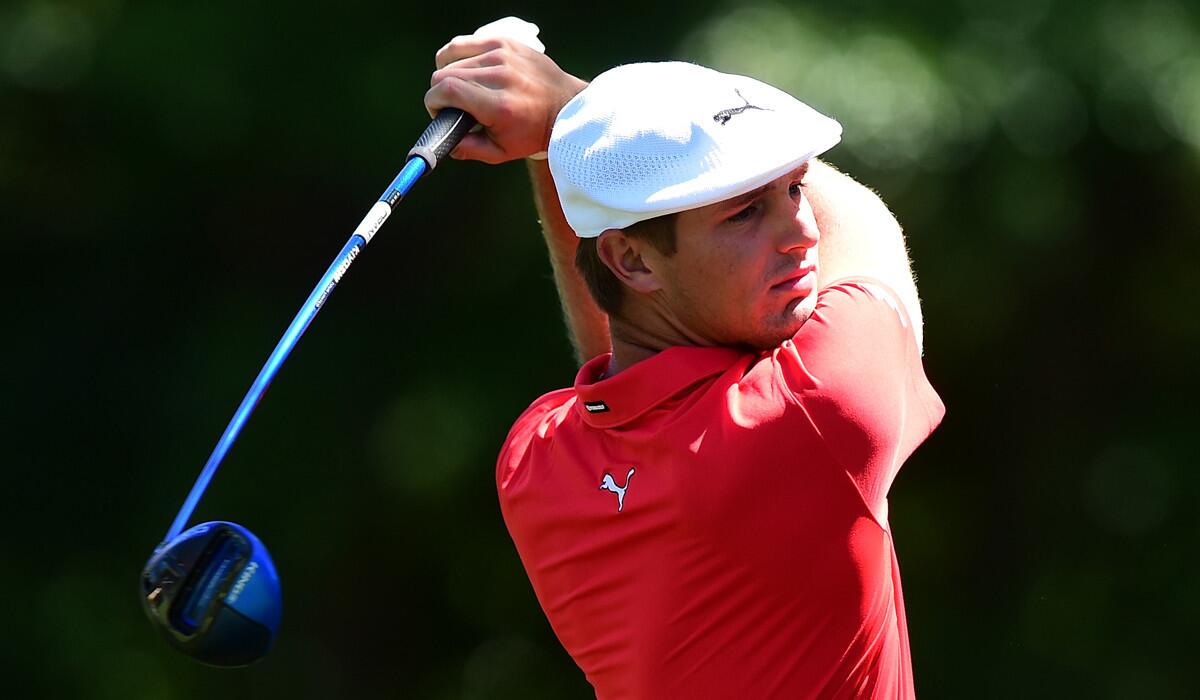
[{"x": 606, "y": 403}]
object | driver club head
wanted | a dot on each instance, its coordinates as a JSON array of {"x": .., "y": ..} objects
[{"x": 213, "y": 593}]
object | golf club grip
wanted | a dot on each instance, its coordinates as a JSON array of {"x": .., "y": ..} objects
[{"x": 442, "y": 135}]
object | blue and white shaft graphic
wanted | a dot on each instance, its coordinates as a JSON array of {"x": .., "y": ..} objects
[
  {"x": 440, "y": 137},
  {"x": 412, "y": 171}
]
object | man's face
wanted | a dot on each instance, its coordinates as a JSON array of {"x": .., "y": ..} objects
[{"x": 744, "y": 270}]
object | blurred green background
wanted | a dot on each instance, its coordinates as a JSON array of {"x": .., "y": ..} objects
[{"x": 174, "y": 177}]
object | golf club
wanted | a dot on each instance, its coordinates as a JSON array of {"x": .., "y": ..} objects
[{"x": 212, "y": 590}]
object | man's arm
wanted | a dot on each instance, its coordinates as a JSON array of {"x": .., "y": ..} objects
[
  {"x": 860, "y": 238},
  {"x": 587, "y": 324}
]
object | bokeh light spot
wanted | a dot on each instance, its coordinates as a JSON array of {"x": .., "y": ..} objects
[
  {"x": 896, "y": 105},
  {"x": 1045, "y": 114},
  {"x": 48, "y": 46},
  {"x": 1178, "y": 95},
  {"x": 425, "y": 442}
]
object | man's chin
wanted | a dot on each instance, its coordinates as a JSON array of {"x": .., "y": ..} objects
[
  {"x": 785, "y": 329},
  {"x": 788, "y": 325},
  {"x": 799, "y": 312}
]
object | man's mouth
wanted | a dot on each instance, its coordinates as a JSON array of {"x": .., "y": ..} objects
[{"x": 801, "y": 281}]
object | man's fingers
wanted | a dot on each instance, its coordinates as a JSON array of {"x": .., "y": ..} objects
[
  {"x": 493, "y": 76},
  {"x": 461, "y": 47},
  {"x": 510, "y": 89},
  {"x": 470, "y": 97},
  {"x": 486, "y": 59}
]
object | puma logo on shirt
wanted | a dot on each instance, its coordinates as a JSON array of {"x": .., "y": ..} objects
[{"x": 610, "y": 484}]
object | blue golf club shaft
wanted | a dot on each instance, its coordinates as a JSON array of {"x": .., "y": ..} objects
[{"x": 446, "y": 130}]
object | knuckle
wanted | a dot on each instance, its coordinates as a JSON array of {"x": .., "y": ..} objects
[
  {"x": 446, "y": 90},
  {"x": 494, "y": 56},
  {"x": 505, "y": 109}
]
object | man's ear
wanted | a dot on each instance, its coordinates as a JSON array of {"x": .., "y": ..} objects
[{"x": 626, "y": 258}]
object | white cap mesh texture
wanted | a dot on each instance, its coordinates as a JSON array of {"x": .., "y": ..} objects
[{"x": 648, "y": 139}]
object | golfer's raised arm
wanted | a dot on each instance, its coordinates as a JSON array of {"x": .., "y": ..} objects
[
  {"x": 587, "y": 324},
  {"x": 860, "y": 237}
]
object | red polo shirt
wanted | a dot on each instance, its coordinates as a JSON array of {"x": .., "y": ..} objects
[{"x": 712, "y": 523}]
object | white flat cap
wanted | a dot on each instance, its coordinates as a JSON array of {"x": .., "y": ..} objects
[{"x": 648, "y": 139}]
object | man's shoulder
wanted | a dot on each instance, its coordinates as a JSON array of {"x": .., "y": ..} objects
[
  {"x": 875, "y": 289},
  {"x": 856, "y": 319},
  {"x": 551, "y": 401},
  {"x": 871, "y": 299},
  {"x": 545, "y": 413}
]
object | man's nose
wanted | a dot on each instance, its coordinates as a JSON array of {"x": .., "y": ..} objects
[{"x": 799, "y": 230}]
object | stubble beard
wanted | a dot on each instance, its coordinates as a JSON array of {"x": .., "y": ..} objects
[{"x": 786, "y": 324}]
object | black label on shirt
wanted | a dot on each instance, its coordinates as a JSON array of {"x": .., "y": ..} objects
[{"x": 595, "y": 406}]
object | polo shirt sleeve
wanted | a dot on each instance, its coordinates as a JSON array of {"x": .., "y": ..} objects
[
  {"x": 855, "y": 368},
  {"x": 530, "y": 425}
]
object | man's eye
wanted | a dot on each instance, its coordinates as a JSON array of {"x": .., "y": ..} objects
[
  {"x": 797, "y": 187},
  {"x": 744, "y": 214}
]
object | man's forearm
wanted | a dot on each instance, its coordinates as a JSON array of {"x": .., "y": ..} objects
[
  {"x": 860, "y": 237},
  {"x": 587, "y": 324}
]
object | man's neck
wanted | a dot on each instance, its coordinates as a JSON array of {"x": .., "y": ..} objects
[{"x": 633, "y": 342}]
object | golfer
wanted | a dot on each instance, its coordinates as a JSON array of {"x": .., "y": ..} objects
[{"x": 704, "y": 513}]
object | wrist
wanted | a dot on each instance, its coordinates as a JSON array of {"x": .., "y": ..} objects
[{"x": 572, "y": 86}]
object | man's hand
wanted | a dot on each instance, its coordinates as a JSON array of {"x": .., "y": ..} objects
[{"x": 513, "y": 91}]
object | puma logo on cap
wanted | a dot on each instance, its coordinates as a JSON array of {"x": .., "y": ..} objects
[{"x": 725, "y": 115}]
